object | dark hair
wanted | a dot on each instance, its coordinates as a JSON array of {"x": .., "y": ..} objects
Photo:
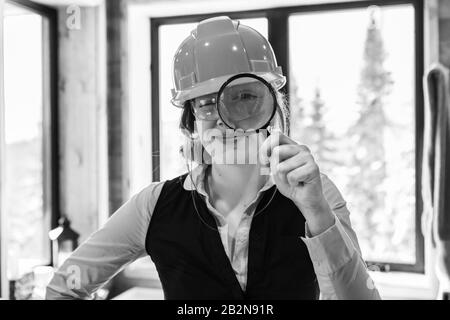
[{"x": 187, "y": 118}]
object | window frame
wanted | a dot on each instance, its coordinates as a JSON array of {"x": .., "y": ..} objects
[
  {"x": 278, "y": 28},
  {"x": 50, "y": 130}
]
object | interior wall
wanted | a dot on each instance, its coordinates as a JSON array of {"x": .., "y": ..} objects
[
  {"x": 82, "y": 110},
  {"x": 118, "y": 101}
]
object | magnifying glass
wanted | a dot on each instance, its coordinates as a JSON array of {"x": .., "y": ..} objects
[{"x": 246, "y": 101}]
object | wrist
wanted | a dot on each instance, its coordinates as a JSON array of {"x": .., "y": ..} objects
[{"x": 319, "y": 218}]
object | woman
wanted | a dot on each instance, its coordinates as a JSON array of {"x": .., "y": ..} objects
[{"x": 227, "y": 229}]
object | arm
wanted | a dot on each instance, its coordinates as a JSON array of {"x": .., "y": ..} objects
[
  {"x": 107, "y": 251},
  {"x": 336, "y": 256}
]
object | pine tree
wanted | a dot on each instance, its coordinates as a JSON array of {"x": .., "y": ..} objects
[
  {"x": 367, "y": 160},
  {"x": 317, "y": 129},
  {"x": 297, "y": 112},
  {"x": 322, "y": 140}
]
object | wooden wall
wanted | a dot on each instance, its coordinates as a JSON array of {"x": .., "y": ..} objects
[
  {"x": 117, "y": 92},
  {"x": 82, "y": 116}
]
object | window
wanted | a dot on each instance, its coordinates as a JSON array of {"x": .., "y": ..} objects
[
  {"x": 30, "y": 179},
  {"x": 355, "y": 91},
  {"x": 352, "y": 99},
  {"x": 172, "y": 165}
]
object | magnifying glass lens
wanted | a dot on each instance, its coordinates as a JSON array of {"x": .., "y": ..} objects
[{"x": 246, "y": 103}]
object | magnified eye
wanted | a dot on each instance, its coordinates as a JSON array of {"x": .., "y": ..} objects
[
  {"x": 244, "y": 96},
  {"x": 248, "y": 96},
  {"x": 246, "y": 103}
]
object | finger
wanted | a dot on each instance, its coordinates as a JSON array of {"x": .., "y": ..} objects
[
  {"x": 298, "y": 160},
  {"x": 293, "y": 162},
  {"x": 280, "y": 153},
  {"x": 284, "y": 139},
  {"x": 275, "y": 173},
  {"x": 266, "y": 146},
  {"x": 304, "y": 148},
  {"x": 302, "y": 174},
  {"x": 276, "y": 138},
  {"x": 285, "y": 151}
]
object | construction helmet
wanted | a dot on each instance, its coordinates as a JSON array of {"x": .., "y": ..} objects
[{"x": 216, "y": 50}]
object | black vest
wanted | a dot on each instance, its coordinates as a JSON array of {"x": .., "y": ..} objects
[{"x": 192, "y": 263}]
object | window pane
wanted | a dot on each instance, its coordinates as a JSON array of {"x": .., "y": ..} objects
[
  {"x": 27, "y": 225},
  {"x": 352, "y": 101},
  {"x": 171, "y": 138}
]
